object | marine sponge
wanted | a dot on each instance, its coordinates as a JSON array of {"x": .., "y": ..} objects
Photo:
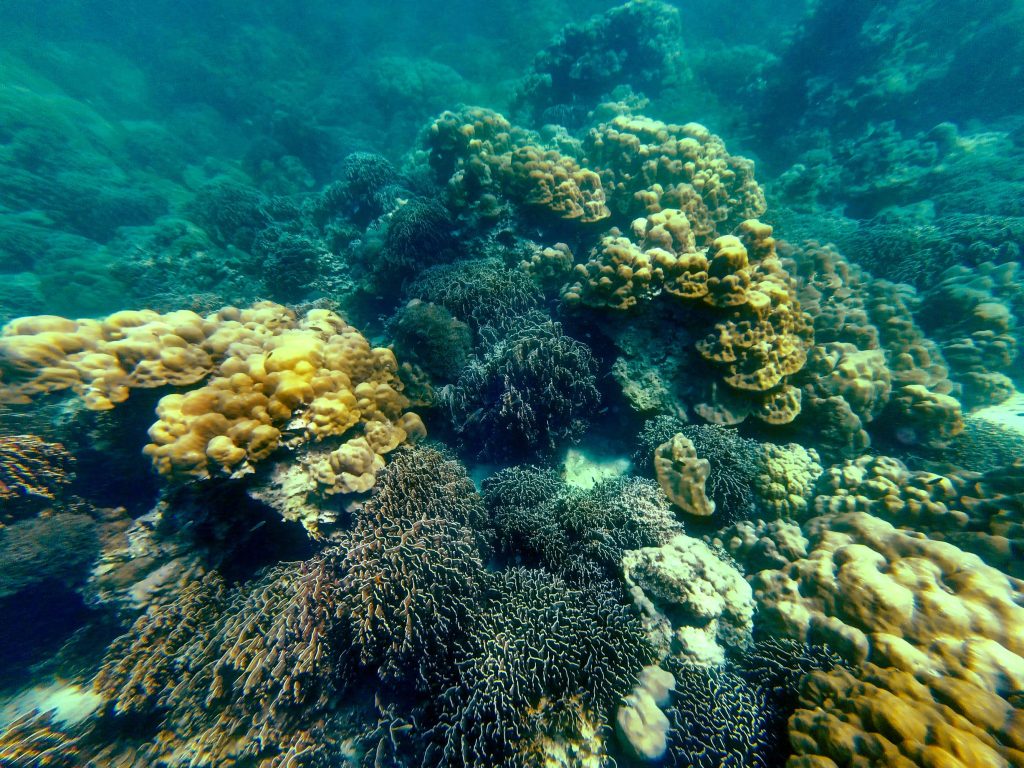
[{"x": 533, "y": 389}]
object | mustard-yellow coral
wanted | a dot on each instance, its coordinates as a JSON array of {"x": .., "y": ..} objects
[
  {"x": 268, "y": 374},
  {"x": 648, "y": 166}
]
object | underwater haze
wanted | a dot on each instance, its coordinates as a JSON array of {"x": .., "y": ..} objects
[{"x": 535, "y": 384}]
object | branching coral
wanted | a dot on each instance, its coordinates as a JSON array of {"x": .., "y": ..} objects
[
  {"x": 579, "y": 534},
  {"x": 32, "y": 473},
  {"x": 736, "y": 714},
  {"x": 533, "y": 389},
  {"x": 480, "y": 292},
  {"x": 428, "y": 335},
  {"x": 232, "y": 674},
  {"x": 412, "y": 572},
  {"x": 544, "y": 665}
]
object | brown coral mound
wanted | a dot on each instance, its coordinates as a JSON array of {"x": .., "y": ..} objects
[
  {"x": 847, "y": 387},
  {"x": 482, "y": 158},
  {"x": 886, "y": 717},
  {"x": 897, "y": 598},
  {"x": 266, "y": 370},
  {"x": 648, "y": 166}
]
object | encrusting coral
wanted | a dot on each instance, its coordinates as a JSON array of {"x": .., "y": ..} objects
[{"x": 693, "y": 602}]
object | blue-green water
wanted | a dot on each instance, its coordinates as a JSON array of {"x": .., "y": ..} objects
[{"x": 511, "y": 384}]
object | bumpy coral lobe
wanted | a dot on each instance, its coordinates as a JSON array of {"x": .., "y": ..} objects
[
  {"x": 482, "y": 158},
  {"x": 648, "y": 166}
]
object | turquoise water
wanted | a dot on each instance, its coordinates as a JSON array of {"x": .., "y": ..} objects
[{"x": 517, "y": 384}]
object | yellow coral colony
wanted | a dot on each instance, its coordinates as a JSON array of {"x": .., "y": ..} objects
[{"x": 272, "y": 378}]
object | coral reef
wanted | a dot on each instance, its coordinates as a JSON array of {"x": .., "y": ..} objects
[
  {"x": 33, "y": 473},
  {"x": 533, "y": 389},
  {"x": 579, "y": 534},
  {"x": 572, "y": 653},
  {"x": 635, "y": 44},
  {"x": 693, "y": 602},
  {"x": 412, "y": 572}
]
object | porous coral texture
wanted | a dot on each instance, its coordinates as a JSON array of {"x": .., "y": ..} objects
[
  {"x": 785, "y": 479},
  {"x": 887, "y": 717},
  {"x": 318, "y": 377},
  {"x": 648, "y": 166},
  {"x": 693, "y": 602},
  {"x": 897, "y": 598}
]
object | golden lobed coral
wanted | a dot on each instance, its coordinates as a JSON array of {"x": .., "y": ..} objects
[
  {"x": 898, "y": 599},
  {"x": 648, "y": 166},
  {"x": 483, "y": 157},
  {"x": 887, "y": 717},
  {"x": 268, "y": 373}
]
